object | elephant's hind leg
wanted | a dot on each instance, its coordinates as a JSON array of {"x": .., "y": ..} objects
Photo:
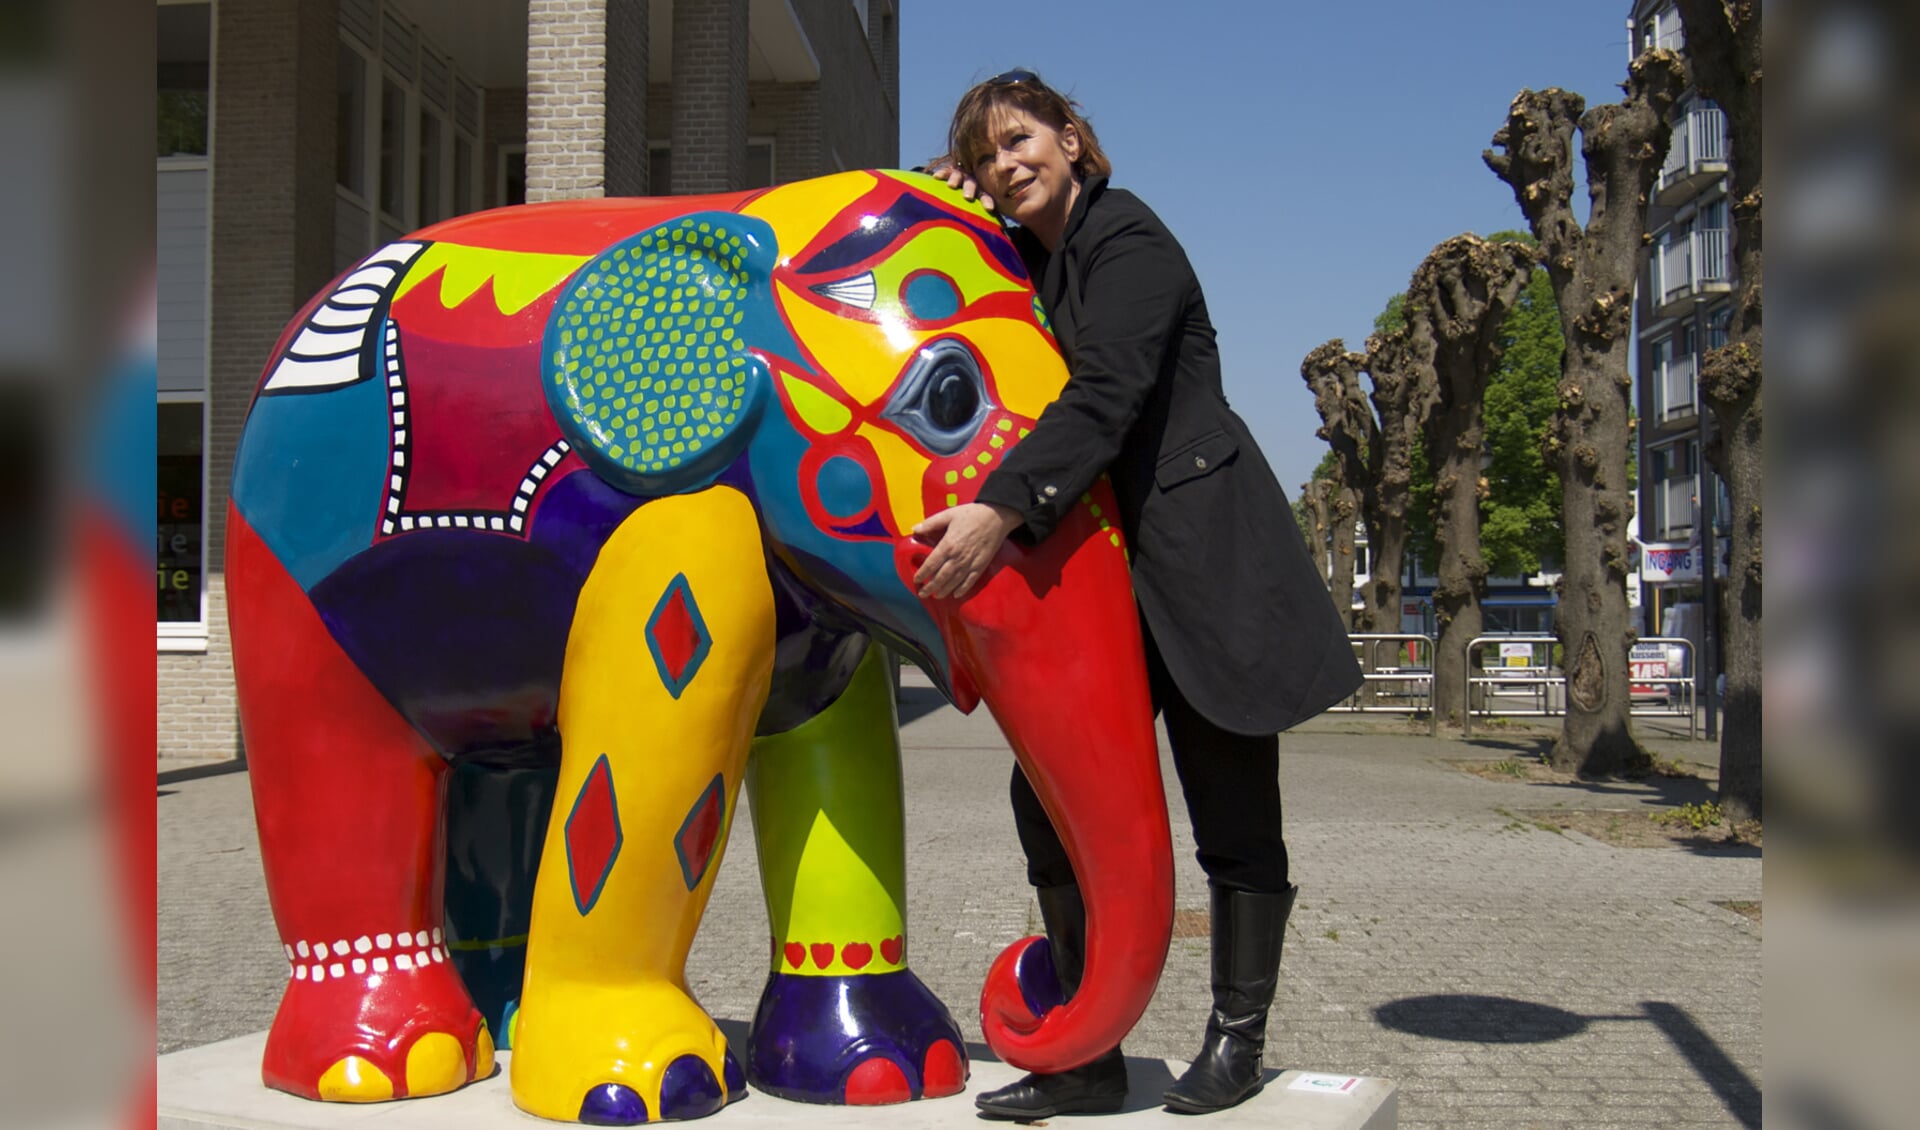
[
  {"x": 842, "y": 1020},
  {"x": 347, "y": 798},
  {"x": 667, "y": 668}
]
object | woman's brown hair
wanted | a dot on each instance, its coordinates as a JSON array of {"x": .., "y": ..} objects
[{"x": 967, "y": 138}]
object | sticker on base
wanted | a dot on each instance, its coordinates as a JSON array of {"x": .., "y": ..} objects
[{"x": 1324, "y": 1084}]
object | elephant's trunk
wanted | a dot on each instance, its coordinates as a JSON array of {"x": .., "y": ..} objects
[{"x": 1051, "y": 639}]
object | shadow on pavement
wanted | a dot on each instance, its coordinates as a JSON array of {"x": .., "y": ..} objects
[
  {"x": 1479, "y": 1020},
  {"x": 207, "y": 769},
  {"x": 1713, "y": 1066},
  {"x": 1475, "y": 1019},
  {"x": 1147, "y": 1079},
  {"x": 918, "y": 702}
]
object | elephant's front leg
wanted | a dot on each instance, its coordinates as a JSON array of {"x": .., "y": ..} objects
[
  {"x": 842, "y": 1020},
  {"x": 667, "y": 668}
]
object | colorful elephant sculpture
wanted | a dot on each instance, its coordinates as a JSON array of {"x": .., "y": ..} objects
[{"x": 552, "y": 525}]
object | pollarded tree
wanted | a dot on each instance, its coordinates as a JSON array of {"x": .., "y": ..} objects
[
  {"x": 1347, "y": 424},
  {"x": 1455, "y": 311},
  {"x": 1374, "y": 437},
  {"x": 1723, "y": 48},
  {"x": 1314, "y": 511},
  {"x": 1593, "y": 272}
]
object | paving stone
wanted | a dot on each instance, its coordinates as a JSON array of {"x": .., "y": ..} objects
[{"x": 1504, "y": 977}]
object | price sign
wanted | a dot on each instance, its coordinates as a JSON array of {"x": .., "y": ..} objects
[{"x": 1648, "y": 661}]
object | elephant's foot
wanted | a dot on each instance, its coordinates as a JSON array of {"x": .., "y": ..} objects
[
  {"x": 862, "y": 1040},
  {"x": 355, "y": 1026},
  {"x": 619, "y": 1055}
]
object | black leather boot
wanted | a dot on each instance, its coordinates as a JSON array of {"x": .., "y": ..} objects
[
  {"x": 1247, "y": 931},
  {"x": 1099, "y": 1087}
]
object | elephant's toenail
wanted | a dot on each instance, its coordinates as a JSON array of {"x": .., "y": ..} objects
[
  {"x": 877, "y": 1082},
  {"x": 945, "y": 1072},
  {"x": 736, "y": 1079},
  {"x": 689, "y": 1090},
  {"x": 611, "y": 1104}
]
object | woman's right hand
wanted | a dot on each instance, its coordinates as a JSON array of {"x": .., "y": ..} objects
[{"x": 945, "y": 169}]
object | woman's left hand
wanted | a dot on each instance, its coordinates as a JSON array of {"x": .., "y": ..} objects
[{"x": 965, "y": 539}]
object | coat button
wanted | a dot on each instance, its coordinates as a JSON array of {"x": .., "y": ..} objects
[
  {"x": 1052, "y": 490},
  {"x": 1200, "y": 461}
]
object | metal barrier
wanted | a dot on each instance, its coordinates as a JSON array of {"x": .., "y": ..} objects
[
  {"x": 1546, "y": 685},
  {"x": 1679, "y": 699},
  {"x": 1394, "y": 688},
  {"x": 1541, "y": 682}
]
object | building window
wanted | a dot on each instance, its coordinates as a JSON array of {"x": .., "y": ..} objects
[
  {"x": 185, "y": 34},
  {"x": 407, "y": 142},
  {"x": 393, "y": 143},
  {"x": 759, "y": 173},
  {"x": 759, "y": 163},
  {"x": 181, "y": 481},
  {"x": 430, "y": 206},
  {"x": 660, "y": 170},
  {"x": 463, "y": 182},
  {"x": 1718, "y": 324},
  {"x": 511, "y": 179},
  {"x": 350, "y": 134}
]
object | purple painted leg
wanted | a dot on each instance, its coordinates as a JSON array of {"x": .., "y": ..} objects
[{"x": 857, "y": 1040}]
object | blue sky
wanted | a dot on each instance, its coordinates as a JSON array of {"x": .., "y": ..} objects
[{"x": 1308, "y": 156}]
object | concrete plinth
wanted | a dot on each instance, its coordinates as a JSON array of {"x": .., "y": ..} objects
[{"x": 217, "y": 1087}]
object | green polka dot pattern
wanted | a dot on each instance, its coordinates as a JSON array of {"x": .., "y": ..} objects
[{"x": 647, "y": 348}]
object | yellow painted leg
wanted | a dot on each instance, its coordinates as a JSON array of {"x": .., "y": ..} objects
[{"x": 667, "y": 668}]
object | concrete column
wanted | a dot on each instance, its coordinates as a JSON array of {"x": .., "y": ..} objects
[
  {"x": 586, "y": 98},
  {"x": 709, "y": 95}
]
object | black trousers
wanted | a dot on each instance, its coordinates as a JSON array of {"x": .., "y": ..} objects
[{"x": 1231, "y": 783}]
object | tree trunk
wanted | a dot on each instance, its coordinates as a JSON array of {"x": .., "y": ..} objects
[
  {"x": 1723, "y": 45},
  {"x": 1461, "y": 582},
  {"x": 1313, "y": 510},
  {"x": 1593, "y": 273},
  {"x": 1375, "y": 455},
  {"x": 1341, "y": 510},
  {"x": 1455, "y": 308},
  {"x": 1402, "y": 402},
  {"x": 1345, "y": 423}
]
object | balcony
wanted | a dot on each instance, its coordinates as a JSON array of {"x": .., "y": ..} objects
[
  {"x": 1689, "y": 266},
  {"x": 1696, "y": 157},
  {"x": 1673, "y": 390},
  {"x": 1671, "y": 503}
]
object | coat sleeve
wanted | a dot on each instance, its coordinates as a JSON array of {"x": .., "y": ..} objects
[{"x": 1132, "y": 302}]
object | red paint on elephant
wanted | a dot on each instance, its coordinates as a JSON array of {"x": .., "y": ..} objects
[
  {"x": 380, "y": 840},
  {"x": 1051, "y": 639}
]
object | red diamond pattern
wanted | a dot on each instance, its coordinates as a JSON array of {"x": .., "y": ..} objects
[
  {"x": 675, "y": 634},
  {"x": 701, "y": 832},
  {"x": 593, "y": 835}
]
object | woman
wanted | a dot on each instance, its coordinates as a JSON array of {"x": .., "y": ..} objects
[{"x": 1241, "y": 638}]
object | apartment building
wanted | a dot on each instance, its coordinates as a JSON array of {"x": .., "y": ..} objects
[
  {"x": 1683, "y": 309},
  {"x": 296, "y": 136}
]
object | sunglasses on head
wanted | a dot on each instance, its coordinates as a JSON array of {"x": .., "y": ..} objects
[{"x": 1014, "y": 77}]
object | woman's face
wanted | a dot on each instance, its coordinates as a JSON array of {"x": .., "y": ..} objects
[{"x": 1029, "y": 171}]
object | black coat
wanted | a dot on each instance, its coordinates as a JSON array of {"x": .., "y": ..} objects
[{"x": 1240, "y": 614}]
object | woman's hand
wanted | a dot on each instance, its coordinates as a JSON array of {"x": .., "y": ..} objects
[
  {"x": 945, "y": 169},
  {"x": 965, "y": 539}
]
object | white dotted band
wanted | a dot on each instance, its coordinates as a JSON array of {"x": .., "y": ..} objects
[{"x": 369, "y": 953}]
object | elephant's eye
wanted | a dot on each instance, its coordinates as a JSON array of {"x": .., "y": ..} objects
[
  {"x": 952, "y": 400},
  {"x": 942, "y": 399}
]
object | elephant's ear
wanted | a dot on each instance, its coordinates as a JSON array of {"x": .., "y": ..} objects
[{"x": 646, "y": 362}]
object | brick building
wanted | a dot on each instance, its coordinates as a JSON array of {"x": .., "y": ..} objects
[
  {"x": 296, "y": 136},
  {"x": 1683, "y": 308}
]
